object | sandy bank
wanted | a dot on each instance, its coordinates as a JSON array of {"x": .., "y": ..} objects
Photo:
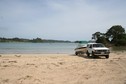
[{"x": 62, "y": 69}]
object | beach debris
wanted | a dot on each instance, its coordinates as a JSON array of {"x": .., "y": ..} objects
[
  {"x": 21, "y": 80},
  {"x": 27, "y": 78},
  {"x": 12, "y": 61},
  {"x": 18, "y": 55},
  {"x": 30, "y": 64},
  {"x": 0, "y": 55},
  {"x": 5, "y": 65},
  {"x": 61, "y": 63},
  {"x": 5, "y": 81}
]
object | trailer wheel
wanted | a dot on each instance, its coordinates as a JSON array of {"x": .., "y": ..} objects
[{"x": 76, "y": 53}]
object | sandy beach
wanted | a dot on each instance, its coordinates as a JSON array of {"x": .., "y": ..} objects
[{"x": 62, "y": 69}]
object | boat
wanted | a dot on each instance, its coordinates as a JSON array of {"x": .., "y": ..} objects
[{"x": 81, "y": 49}]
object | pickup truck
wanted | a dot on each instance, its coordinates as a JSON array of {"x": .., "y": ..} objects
[{"x": 97, "y": 49}]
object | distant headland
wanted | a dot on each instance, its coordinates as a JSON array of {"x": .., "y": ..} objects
[{"x": 34, "y": 40}]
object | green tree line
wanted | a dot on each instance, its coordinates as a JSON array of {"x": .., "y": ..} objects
[
  {"x": 115, "y": 35},
  {"x": 35, "y": 40}
]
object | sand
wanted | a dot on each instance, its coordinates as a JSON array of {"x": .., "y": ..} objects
[{"x": 62, "y": 69}]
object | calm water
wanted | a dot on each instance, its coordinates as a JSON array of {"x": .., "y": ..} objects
[{"x": 36, "y": 48}]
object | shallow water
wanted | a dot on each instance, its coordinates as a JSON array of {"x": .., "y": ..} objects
[{"x": 37, "y": 48}]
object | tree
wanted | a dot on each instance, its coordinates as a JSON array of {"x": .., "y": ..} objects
[
  {"x": 37, "y": 40},
  {"x": 103, "y": 40},
  {"x": 114, "y": 32},
  {"x": 115, "y": 35},
  {"x": 121, "y": 40},
  {"x": 100, "y": 38},
  {"x": 96, "y": 35},
  {"x": 16, "y": 39}
]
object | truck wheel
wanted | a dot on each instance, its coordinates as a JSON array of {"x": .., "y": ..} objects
[
  {"x": 107, "y": 56},
  {"x": 93, "y": 55},
  {"x": 88, "y": 54}
]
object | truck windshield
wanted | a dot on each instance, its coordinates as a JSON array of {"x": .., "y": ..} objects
[{"x": 98, "y": 45}]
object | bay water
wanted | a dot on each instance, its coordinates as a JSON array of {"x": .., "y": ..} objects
[{"x": 37, "y": 48}]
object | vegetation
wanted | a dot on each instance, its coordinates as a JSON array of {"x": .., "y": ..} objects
[
  {"x": 114, "y": 36},
  {"x": 36, "y": 40},
  {"x": 80, "y": 41}
]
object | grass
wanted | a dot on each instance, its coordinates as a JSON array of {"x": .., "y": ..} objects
[{"x": 119, "y": 48}]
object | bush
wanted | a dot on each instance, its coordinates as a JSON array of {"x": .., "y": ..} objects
[
  {"x": 120, "y": 42},
  {"x": 103, "y": 40}
]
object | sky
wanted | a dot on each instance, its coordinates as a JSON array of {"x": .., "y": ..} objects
[{"x": 60, "y": 19}]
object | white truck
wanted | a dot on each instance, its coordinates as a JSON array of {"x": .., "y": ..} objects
[{"x": 97, "y": 49}]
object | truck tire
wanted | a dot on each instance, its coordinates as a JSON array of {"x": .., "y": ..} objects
[
  {"x": 88, "y": 54},
  {"x": 93, "y": 55},
  {"x": 107, "y": 56}
]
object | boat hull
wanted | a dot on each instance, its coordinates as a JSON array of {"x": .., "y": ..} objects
[{"x": 80, "y": 50}]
